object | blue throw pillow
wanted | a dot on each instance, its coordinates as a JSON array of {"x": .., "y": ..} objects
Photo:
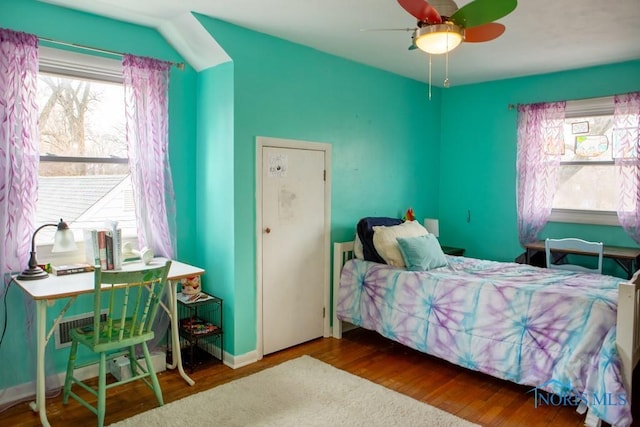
[{"x": 422, "y": 253}]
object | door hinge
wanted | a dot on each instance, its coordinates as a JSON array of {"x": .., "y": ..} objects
[
  {"x": 324, "y": 175},
  {"x": 324, "y": 312}
]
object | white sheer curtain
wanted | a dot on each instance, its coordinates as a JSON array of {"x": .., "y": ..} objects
[
  {"x": 19, "y": 160},
  {"x": 626, "y": 144},
  {"x": 146, "y": 88},
  {"x": 540, "y": 144}
]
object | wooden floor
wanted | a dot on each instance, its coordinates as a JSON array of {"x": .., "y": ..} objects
[{"x": 467, "y": 394}]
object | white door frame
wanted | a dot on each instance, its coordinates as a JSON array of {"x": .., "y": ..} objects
[{"x": 262, "y": 142}]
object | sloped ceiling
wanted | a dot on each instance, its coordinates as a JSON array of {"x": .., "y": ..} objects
[{"x": 542, "y": 36}]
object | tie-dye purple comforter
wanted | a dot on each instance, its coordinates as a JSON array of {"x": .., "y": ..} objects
[{"x": 549, "y": 329}]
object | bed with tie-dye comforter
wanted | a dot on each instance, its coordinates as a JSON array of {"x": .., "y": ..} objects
[{"x": 550, "y": 329}]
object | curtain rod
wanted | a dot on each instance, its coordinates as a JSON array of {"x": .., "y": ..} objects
[
  {"x": 178, "y": 65},
  {"x": 512, "y": 106}
]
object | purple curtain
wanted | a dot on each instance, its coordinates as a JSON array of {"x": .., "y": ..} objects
[
  {"x": 540, "y": 146},
  {"x": 19, "y": 155},
  {"x": 626, "y": 143},
  {"x": 19, "y": 160},
  {"x": 146, "y": 85}
]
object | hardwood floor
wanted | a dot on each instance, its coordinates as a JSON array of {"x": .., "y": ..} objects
[{"x": 476, "y": 397}]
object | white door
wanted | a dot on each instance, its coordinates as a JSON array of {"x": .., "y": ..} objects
[{"x": 293, "y": 246}]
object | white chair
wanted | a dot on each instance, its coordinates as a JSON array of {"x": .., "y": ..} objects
[{"x": 572, "y": 246}]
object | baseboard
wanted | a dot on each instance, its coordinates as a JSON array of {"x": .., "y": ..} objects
[
  {"x": 236, "y": 362},
  {"x": 26, "y": 391}
]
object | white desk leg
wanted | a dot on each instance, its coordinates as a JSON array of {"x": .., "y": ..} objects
[
  {"x": 41, "y": 346},
  {"x": 175, "y": 337}
]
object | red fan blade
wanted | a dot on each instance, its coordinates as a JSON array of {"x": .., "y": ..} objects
[
  {"x": 480, "y": 12},
  {"x": 483, "y": 33},
  {"x": 421, "y": 10}
]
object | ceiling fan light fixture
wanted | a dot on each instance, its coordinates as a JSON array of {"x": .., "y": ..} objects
[{"x": 439, "y": 38}]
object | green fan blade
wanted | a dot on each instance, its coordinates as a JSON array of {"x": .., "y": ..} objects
[{"x": 480, "y": 12}]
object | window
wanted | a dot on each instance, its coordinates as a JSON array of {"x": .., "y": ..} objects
[
  {"x": 84, "y": 173},
  {"x": 586, "y": 191}
]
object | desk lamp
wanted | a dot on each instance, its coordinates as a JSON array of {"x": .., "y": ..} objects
[{"x": 63, "y": 242}]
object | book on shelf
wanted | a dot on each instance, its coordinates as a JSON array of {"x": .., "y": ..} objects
[
  {"x": 61, "y": 270},
  {"x": 191, "y": 298},
  {"x": 108, "y": 237},
  {"x": 91, "y": 249},
  {"x": 103, "y": 246},
  {"x": 115, "y": 234},
  {"x": 102, "y": 249}
]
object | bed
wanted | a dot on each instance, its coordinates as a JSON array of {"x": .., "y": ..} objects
[{"x": 572, "y": 334}]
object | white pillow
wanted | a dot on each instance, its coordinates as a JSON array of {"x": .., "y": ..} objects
[
  {"x": 386, "y": 243},
  {"x": 358, "y": 250}
]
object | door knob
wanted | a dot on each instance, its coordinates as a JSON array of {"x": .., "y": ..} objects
[{"x": 267, "y": 230}]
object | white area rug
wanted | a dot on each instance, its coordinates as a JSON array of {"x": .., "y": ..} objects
[{"x": 300, "y": 392}]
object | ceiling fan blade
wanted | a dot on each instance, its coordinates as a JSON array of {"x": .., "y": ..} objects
[
  {"x": 421, "y": 10},
  {"x": 483, "y": 33},
  {"x": 480, "y": 12}
]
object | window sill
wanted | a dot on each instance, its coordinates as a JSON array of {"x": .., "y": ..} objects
[{"x": 585, "y": 217}]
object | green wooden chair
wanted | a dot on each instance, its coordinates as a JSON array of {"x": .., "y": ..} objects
[{"x": 133, "y": 299}]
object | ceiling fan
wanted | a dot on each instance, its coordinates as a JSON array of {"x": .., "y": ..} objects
[{"x": 442, "y": 26}]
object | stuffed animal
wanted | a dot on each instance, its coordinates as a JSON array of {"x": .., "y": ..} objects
[
  {"x": 191, "y": 285},
  {"x": 410, "y": 215}
]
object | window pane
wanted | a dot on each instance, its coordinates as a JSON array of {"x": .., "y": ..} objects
[
  {"x": 85, "y": 201},
  {"x": 582, "y": 185},
  {"x": 586, "y": 187},
  {"x": 83, "y": 119}
]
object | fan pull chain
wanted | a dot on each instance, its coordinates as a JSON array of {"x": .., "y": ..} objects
[
  {"x": 429, "y": 77},
  {"x": 446, "y": 70},
  {"x": 446, "y": 63}
]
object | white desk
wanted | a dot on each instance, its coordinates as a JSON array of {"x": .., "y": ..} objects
[{"x": 70, "y": 286}]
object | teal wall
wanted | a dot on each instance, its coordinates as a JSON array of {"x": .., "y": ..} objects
[
  {"x": 70, "y": 26},
  {"x": 214, "y": 187},
  {"x": 478, "y": 158},
  {"x": 382, "y": 128}
]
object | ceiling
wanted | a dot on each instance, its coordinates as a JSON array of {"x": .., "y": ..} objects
[{"x": 542, "y": 35}]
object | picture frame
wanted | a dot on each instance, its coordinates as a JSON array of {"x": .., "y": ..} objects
[
  {"x": 580, "y": 127},
  {"x": 591, "y": 145}
]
